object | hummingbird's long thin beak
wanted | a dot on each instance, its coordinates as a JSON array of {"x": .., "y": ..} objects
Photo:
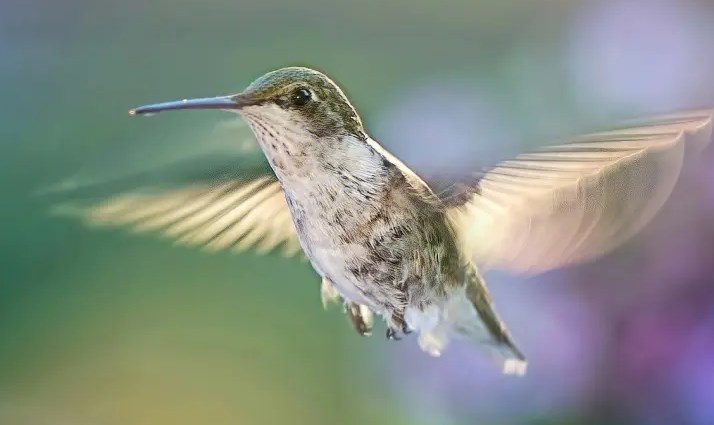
[{"x": 235, "y": 102}]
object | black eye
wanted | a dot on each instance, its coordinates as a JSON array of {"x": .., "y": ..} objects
[{"x": 301, "y": 96}]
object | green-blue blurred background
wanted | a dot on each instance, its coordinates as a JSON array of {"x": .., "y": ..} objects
[{"x": 102, "y": 328}]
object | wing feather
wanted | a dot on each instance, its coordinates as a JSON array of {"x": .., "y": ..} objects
[
  {"x": 570, "y": 203},
  {"x": 216, "y": 215}
]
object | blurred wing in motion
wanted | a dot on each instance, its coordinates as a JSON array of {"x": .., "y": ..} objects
[
  {"x": 573, "y": 202},
  {"x": 218, "y": 202}
]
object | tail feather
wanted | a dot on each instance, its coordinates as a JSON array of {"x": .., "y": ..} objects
[
  {"x": 512, "y": 360},
  {"x": 468, "y": 312}
]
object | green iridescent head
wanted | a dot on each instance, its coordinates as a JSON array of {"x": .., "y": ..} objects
[{"x": 290, "y": 96}]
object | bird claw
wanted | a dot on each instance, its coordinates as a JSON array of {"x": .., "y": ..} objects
[
  {"x": 397, "y": 327},
  {"x": 397, "y": 334},
  {"x": 393, "y": 334},
  {"x": 361, "y": 318}
]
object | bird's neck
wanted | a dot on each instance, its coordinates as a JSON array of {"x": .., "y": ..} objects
[{"x": 340, "y": 165}]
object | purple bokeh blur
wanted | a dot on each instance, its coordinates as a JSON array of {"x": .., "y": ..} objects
[{"x": 643, "y": 55}]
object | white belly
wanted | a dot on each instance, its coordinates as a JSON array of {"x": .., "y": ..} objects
[{"x": 332, "y": 264}]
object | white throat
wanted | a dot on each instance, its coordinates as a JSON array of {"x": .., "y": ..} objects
[{"x": 303, "y": 162}]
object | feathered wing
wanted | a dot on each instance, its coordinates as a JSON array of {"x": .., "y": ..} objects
[
  {"x": 573, "y": 202},
  {"x": 218, "y": 202}
]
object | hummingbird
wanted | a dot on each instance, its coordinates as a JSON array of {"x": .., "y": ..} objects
[{"x": 387, "y": 242}]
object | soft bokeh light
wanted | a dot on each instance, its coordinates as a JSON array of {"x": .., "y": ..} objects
[{"x": 646, "y": 56}]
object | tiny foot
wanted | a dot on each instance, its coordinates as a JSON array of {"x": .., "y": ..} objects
[
  {"x": 393, "y": 335},
  {"x": 397, "y": 326},
  {"x": 361, "y": 323}
]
